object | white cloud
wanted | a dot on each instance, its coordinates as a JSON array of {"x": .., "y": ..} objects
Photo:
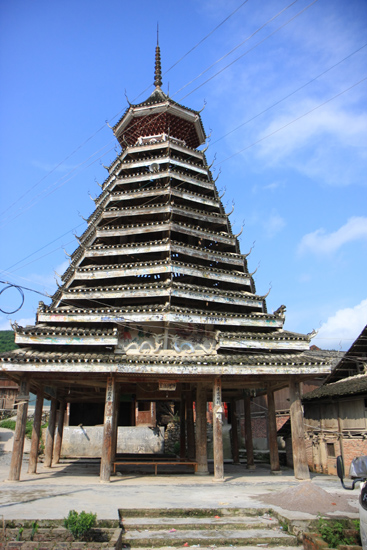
[
  {"x": 327, "y": 144},
  {"x": 342, "y": 328},
  {"x": 320, "y": 242},
  {"x": 274, "y": 224}
]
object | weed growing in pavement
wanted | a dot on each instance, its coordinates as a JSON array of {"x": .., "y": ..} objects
[{"x": 332, "y": 532}]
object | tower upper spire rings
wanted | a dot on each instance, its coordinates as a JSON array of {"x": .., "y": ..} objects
[{"x": 158, "y": 69}]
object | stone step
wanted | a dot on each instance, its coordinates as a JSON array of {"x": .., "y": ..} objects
[
  {"x": 192, "y": 512},
  {"x": 202, "y": 547},
  {"x": 226, "y": 537},
  {"x": 250, "y": 522},
  {"x": 163, "y": 529},
  {"x": 220, "y": 547}
]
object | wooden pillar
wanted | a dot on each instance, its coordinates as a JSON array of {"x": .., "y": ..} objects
[
  {"x": 234, "y": 431},
  {"x": 248, "y": 433},
  {"x": 115, "y": 426},
  {"x": 183, "y": 426},
  {"x": 272, "y": 431},
  {"x": 217, "y": 430},
  {"x": 300, "y": 465},
  {"x": 19, "y": 434},
  {"x": 59, "y": 432},
  {"x": 36, "y": 433},
  {"x": 201, "y": 442},
  {"x": 50, "y": 436},
  {"x": 190, "y": 428},
  {"x": 109, "y": 413}
]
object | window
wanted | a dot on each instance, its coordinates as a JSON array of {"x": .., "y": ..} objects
[
  {"x": 143, "y": 406},
  {"x": 330, "y": 449}
]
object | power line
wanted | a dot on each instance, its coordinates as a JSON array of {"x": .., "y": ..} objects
[
  {"x": 43, "y": 247},
  {"x": 30, "y": 204},
  {"x": 118, "y": 113},
  {"x": 248, "y": 51},
  {"x": 196, "y": 45},
  {"x": 247, "y": 147},
  {"x": 236, "y": 47},
  {"x": 292, "y": 121},
  {"x": 288, "y": 96}
]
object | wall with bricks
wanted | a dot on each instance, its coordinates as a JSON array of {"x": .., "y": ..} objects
[{"x": 322, "y": 451}]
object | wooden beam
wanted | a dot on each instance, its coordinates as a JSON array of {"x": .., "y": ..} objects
[
  {"x": 36, "y": 432},
  {"x": 20, "y": 426},
  {"x": 272, "y": 433},
  {"x": 300, "y": 464},
  {"x": 201, "y": 441},
  {"x": 217, "y": 430}
]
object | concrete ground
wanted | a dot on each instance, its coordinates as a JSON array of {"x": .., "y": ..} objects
[{"x": 52, "y": 492}]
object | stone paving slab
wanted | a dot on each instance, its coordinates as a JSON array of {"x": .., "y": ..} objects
[{"x": 52, "y": 492}]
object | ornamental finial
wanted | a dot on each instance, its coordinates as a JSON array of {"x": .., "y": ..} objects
[{"x": 158, "y": 69}]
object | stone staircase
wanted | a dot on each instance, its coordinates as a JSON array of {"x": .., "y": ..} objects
[{"x": 204, "y": 528}]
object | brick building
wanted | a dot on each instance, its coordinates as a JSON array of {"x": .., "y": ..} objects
[{"x": 336, "y": 413}]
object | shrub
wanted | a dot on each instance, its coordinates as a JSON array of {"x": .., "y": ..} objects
[{"x": 79, "y": 524}]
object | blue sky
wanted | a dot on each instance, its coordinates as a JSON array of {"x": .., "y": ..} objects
[{"x": 284, "y": 89}]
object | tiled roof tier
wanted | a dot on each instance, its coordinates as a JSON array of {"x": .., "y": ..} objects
[
  {"x": 276, "y": 340},
  {"x": 155, "y": 178},
  {"x": 174, "y": 246},
  {"x": 48, "y": 330},
  {"x": 149, "y": 269},
  {"x": 167, "y": 158},
  {"x": 43, "y": 361},
  {"x": 170, "y": 171},
  {"x": 230, "y": 258},
  {"x": 58, "y": 335},
  {"x": 165, "y": 208},
  {"x": 157, "y": 314},
  {"x": 160, "y": 114},
  {"x": 201, "y": 232},
  {"x": 275, "y": 335},
  {"x": 164, "y": 288},
  {"x": 353, "y": 385}
]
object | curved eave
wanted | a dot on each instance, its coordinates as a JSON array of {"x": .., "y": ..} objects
[
  {"x": 285, "y": 364},
  {"x": 157, "y": 315}
]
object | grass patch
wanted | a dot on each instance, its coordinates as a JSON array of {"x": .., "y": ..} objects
[
  {"x": 333, "y": 532},
  {"x": 10, "y": 425}
]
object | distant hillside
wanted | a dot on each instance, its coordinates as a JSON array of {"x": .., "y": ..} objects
[{"x": 7, "y": 341}]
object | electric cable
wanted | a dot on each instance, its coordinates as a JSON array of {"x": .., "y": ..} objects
[
  {"x": 254, "y": 143},
  {"x": 236, "y": 47},
  {"x": 292, "y": 121},
  {"x": 288, "y": 96},
  {"x": 121, "y": 110},
  {"x": 248, "y": 51},
  {"x": 9, "y": 285}
]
